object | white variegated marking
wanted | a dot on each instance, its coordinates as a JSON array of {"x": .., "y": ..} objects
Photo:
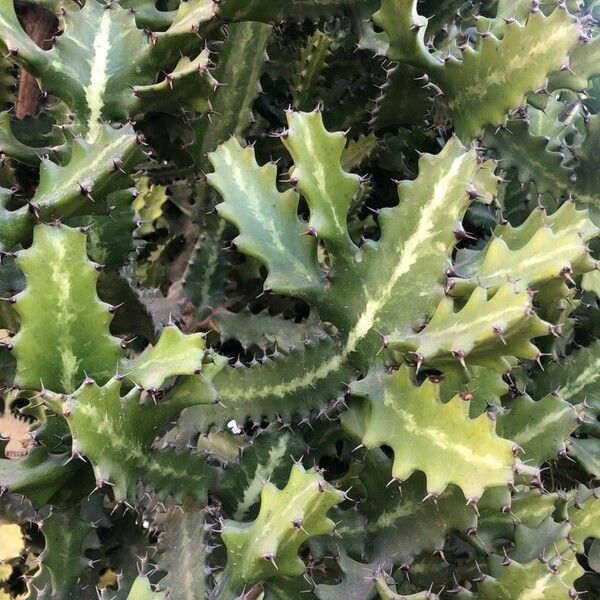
[
  {"x": 306, "y": 497},
  {"x": 538, "y": 591},
  {"x": 188, "y": 557},
  {"x": 559, "y": 251},
  {"x": 321, "y": 177},
  {"x": 123, "y": 444},
  {"x": 264, "y": 219},
  {"x": 475, "y": 326},
  {"x": 94, "y": 90},
  {"x": 389, "y": 518},
  {"x": 539, "y": 428},
  {"x": 64, "y": 315},
  {"x": 440, "y": 439},
  {"x": 262, "y": 473},
  {"x": 98, "y": 161},
  {"x": 191, "y": 15},
  {"x": 588, "y": 376},
  {"x": 376, "y": 299},
  {"x": 211, "y": 264},
  {"x": 480, "y": 88},
  {"x": 96, "y": 247},
  {"x": 410, "y": 253},
  {"x": 590, "y": 517},
  {"x": 535, "y": 165}
]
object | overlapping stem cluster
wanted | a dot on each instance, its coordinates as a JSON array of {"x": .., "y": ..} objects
[{"x": 299, "y": 299}]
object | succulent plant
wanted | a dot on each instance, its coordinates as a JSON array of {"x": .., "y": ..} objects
[{"x": 299, "y": 299}]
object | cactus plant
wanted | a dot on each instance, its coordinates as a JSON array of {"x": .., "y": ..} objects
[{"x": 299, "y": 299}]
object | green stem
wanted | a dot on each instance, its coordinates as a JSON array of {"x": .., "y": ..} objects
[
  {"x": 15, "y": 226},
  {"x": 224, "y": 589}
]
